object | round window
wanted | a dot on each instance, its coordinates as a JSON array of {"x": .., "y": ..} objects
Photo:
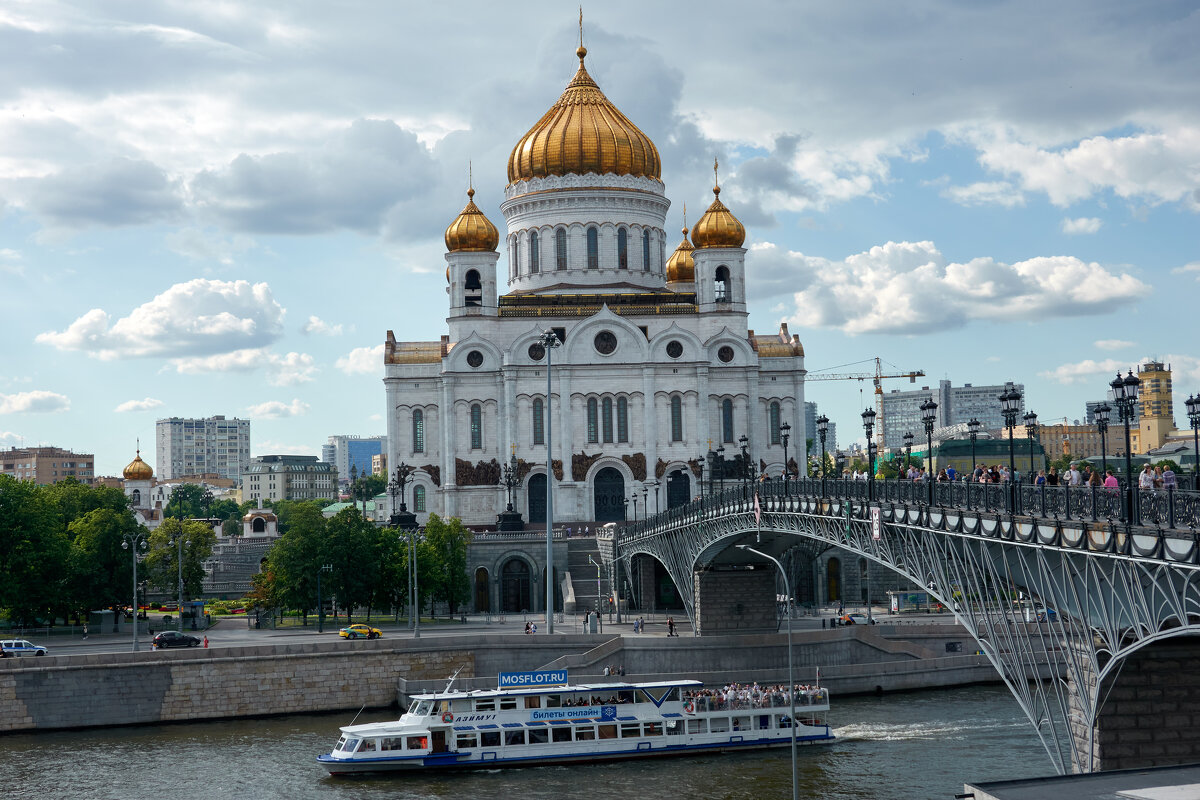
[
  {"x": 475, "y": 358},
  {"x": 674, "y": 349},
  {"x": 537, "y": 351},
  {"x": 606, "y": 342},
  {"x": 725, "y": 353}
]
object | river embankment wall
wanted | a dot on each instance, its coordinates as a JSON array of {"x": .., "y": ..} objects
[{"x": 98, "y": 690}]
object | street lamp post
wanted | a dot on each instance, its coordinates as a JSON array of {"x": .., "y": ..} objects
[
  {"x": 1031, "y": 431},
  {"x": 403, "y": 519},
  {"x": 1125, "y": 390},
  {"x": 908, "y": 440},
  {"x": 320, "y": 604},
  {"x": 134, "y": 542},
  {"x": 179, "y": 561},
  {"x": 599, "y": 619},
  {"x": 633, "y": 497},
  {"x": 721, "y": 465},
  {"x": 745, "y": 444},
  {"x": 785, "y": 435},
  {"x": 646, "y": 498},
  {"x": 868, "y": 418},
  {"x": 549, "y": 341},
  {"x": 1193, "y": 412},
  {"x": 700, "y": 459},
  {"x": 822, "y": 433},
  {"x": 787, "y": 588},
  {"x": 1102, "y": 412},
  {"x": 973, "y": 429},
  {"x": 1010, "y": 406}
]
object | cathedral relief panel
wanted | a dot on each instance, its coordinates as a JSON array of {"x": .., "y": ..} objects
[
  {"x": 637, "y": 465},
  {"x": 483, "y": 473},
  {"x": 434, "y": 472}
]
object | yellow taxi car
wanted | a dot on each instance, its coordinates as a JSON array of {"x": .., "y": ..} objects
[{"x": 360, "y": 632}]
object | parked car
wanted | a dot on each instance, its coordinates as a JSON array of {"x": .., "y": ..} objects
[
  {"x": 175, "y": 639},
  {"x": 360, "y": 632},
  {"x": 854, "y": 619},
  {"x": 20, "y": 647},
  {"x": 1047, "y": 615}
]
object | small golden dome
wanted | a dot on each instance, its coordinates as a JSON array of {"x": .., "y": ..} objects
[
  {"x": 680, "y": 266},
  {"x": 718, "y": 227},
  {"x": 471, "y": 230},
  {"x": 138, "y": 470},
  {"x": 583, "y": 132}
]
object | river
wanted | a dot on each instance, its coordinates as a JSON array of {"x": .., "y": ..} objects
[{"x": 899, "y": 746}]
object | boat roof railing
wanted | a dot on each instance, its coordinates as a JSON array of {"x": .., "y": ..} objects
[{"x": 581, "y": 687}]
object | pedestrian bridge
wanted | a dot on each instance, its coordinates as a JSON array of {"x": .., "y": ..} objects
[{"x": 1103, "y": 583}]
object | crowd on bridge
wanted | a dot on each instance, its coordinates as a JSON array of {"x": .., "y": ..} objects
[{"x": 1150, "y": 478}]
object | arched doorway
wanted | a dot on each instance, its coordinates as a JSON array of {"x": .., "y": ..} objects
[
  {"x": 679, "y": 489},
  {"x": 483, "y": 595},
  {"x": 515, "y": 589},
  {"x": 609, "y": 490},
  {"x": 833, "y": 580},
  {"x": 536, "y": 492}
]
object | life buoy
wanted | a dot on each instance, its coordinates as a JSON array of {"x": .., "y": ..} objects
[
  {"x": 689, "y": 706},
  {"x": 447, "y": 717}
]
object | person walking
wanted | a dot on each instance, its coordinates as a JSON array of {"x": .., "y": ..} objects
[
  {"x": 1168, "y": 482},
  {"x": 670, "y": 626}
]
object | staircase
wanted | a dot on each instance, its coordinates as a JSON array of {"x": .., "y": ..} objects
[{"x": 583, "y": 574}]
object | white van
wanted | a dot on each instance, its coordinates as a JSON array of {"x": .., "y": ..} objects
[{"x": 20, "y": 647}]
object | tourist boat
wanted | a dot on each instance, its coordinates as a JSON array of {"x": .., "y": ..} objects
[{"x": 538, "y": 718}]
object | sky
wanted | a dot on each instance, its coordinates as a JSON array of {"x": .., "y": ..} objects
[{"x": 222, "y": 207}]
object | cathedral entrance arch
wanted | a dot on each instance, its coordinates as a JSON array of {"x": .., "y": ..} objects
[
  {"x": 483, "y": 594},
  {"x": 608, "y": 487},
  {"x": 679, "y": 489},
  {"x": 833, "y": 580},
  {"x": 535, "y": 491},
  {"x": 515, "y": 587}
]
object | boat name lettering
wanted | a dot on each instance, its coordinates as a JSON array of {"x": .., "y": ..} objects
[
  {"x": 582, "y": 712},
  {"x": 474, "y": 717},
  {"x": 527, "y": 680}
]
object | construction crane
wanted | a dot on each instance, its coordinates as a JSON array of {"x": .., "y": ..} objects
[{"x": 877, "y": 377}]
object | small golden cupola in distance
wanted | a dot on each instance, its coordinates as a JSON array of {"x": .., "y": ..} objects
[{"x": 718, "y": 227}]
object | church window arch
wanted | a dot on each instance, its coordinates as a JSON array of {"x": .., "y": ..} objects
[
  {"x": 726, "y": 420},
  {"x": 418, "y": 431},
  {"x": 539, "y": 425},
  {"x": 622, "y": 419},
  {"x": 721, "y": 284},
  {"x": 418, "y": 498},
  {"x": 472, "y": 289},
  {"x": 622, "y": 248},
  {"x": 517, "y": 251},
  {"x": 593, "y": 434},
  {"x": 606, "y": 419},
  {"x": 137, "y": 498},
  {"x": 646, "y": 250},
  {"x": 534, "y": 261},
  {"x": 560, "y": 248},
  {"x": 593, "y": 248},
  {"x": 773, "y": 422},
  {"x": 662, "y": 254},
  {"x": 476, "y": 427},
  {"x": 676, "y": 419}
]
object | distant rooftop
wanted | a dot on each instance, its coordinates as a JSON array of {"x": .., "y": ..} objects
[{"x": 1152, "y": 783}]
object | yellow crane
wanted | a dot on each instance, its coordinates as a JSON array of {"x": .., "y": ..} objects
[{"x": 878, "y": 376}]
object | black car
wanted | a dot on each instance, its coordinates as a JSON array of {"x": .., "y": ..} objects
[{"x": 175, "y": 639}]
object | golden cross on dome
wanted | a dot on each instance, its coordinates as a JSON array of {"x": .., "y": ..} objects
[
  {"x": 581, "y": 25},
  {"x": 685, "y": 215},
  {"x": 716, "y": 182},
  {"x": 470, "y": 175}
]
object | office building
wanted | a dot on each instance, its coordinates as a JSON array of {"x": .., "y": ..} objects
[
  {"x": 196, "y": 446},
  {"x": 44, "y": 465},
  {"x": 283, "y": 477}
]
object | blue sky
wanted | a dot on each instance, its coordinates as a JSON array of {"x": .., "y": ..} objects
[{"x": 221, "y": 208}]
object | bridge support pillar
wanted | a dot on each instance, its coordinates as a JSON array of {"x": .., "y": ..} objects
[
  {"x": 1151, "y": 714},
  {"x": 735, "y": 601}
]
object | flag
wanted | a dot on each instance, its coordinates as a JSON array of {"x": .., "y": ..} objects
[{"x": 757, "y": 510}]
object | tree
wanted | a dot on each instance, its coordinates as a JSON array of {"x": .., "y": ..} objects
[
  {"x": 34, "y": 550},
  {"x": 101, "y": 571},
  {"x": 187, "y": 501},
  {"x": 162, "y": 561},
  {"x": 293, "y": 561},
  {"x": 350, "y": 547},
  {"x": 448, "y": 542},
  {"x": 74, "y": 499}
]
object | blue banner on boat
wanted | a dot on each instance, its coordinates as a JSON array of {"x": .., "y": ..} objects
[
  {"x": 603, "y": 713},
  {"x": 533, "y": 680}
]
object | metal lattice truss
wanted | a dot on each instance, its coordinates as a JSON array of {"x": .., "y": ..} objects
[{"x": 1055, "y": 605}]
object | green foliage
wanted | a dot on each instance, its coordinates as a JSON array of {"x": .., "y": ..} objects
[
  {"x": 100, "y": 570},
  {"x": 448, "y": 542},
  {"x": 162, "y": 562},
  {"x": 74, "y": 499}
]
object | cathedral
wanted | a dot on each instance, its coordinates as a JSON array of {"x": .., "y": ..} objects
[{"x": 655, "y": 365}]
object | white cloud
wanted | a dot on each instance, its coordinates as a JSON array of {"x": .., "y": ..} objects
[
  {"x": 365, "y": 360},
  {"x": 909, "y": 287},
  {"x": 320, "y": 326},
  {"x": 1188, "y": 269},
  {"x": 985, "y": 193},
  {"x": 201, "y": 245},
  {"x": 139, "y": 405},
  {"x": 273, "y": 409},
  {"x": 1112, "y": 344},
  {"x": 1085, "y": 370},
  {"x": 196, "y": 318},
  {"x": 1081, "y": 225},
  {"x": 9, "y": 436},
  {"x": 282, "y": 370},
  {"x": 278, "y": 448},
  {"x": 10, "y": 261},
  {"x": 35, "y": 402}
]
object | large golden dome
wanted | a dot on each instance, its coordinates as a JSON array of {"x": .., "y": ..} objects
[
  {"x": 471, "y": 230},
  {"x": 681, "y": 268},
  {"x": 138, "y": 470},
  {"x": 718, "y": 227},
  {"x": 583, "y": 132}
]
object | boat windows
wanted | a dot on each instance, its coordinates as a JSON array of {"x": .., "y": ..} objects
[
  {"x": 485, "y": 704},
  {"x": 561, "y": 734},
  {"x": 718, "y": 724},
  {"x": 489, "y": 739},
  {"x": 533, "y": 701},
  {"x": 417, "y": 743},
  {"x": 653, "y": 729},
  {"x": 367, "y": 746},
  {"x": 741, "y": 724},
  {"x": 348, "y": 745},
  {"x": 421, "y": 709},
  {"x": 553, "y": 700},
  {"x": 443, "y": 706},
  {"x": 514, "y": 737},
  {"x": 466, "y": 741},
  {"x": 641, "y": 697},
  {"x": 587, "y": 733},
  {"x": 764, "y": 721},
  {"x": 697, "y": 726},
  {"x": 627, "y": 697},
  {"x": 674, "y": 727},
  {"x": 539, "y": 735},
  {"x": 391, "y": 743},
  {"x": 783, "y": 722},
  {"x": 608, "y": 731},
  {"x": 341, "y": 743},
  {"x": 508, "y": 703},
  {"x": 631, "y": 730},
  {"x": 673, "y": 694}
]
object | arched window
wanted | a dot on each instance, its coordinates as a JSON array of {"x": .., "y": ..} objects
[
  {"x": 534, "y": 262},
  {"x": 606, "y": 419},
  {"x": 773, "y": 422},
  {"x": 622, "y": 419},
  {"x": 646, "y": 250},
  {"x": 418, "y": 433},
  {"x": 560, "y": 248},
  {"x": 662, "y": 254},
  {"x": 727, "y": 420},
  {"x": 476, "y": 427},
  {"x": 418, "y": 498},
  {"x": 517, "y": 250},
  {"x": 622, "y": 249},
  {"x": 676, "y": 419},
  {"x": 721, "y": 285},
  {"x": 593, "y": 248},
  {"x": 472, "y": 289},
  {"x": 137, "y": 498},
  {"x": 593, "y": 435},
  {"x": 539, "y": 426}
]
